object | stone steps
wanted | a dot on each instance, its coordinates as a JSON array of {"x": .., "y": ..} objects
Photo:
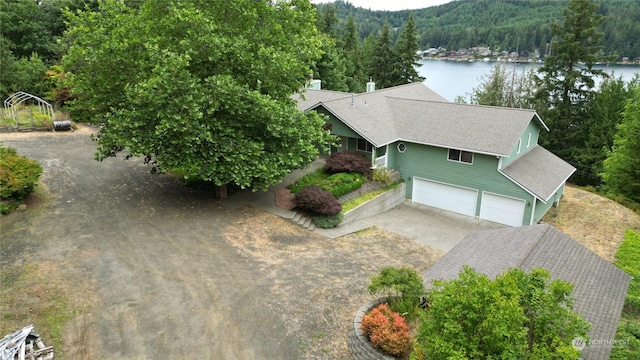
[{"x": 303, "y": 221}]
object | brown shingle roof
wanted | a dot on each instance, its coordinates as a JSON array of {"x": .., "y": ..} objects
[{"x": 599, "y": 287}]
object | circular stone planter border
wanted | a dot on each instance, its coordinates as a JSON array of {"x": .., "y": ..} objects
[{"x": 359, "y": 345}]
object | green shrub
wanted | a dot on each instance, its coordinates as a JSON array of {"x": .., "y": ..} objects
[
  {"x": 517, "y": 315},
  {"x": 628, "y": 256},
  {"x": 627, "y": 340},
  {"x": 312, "y": 178},
  {"x": 387, "y": 330},
  {"x": 4, "y": 208},
  {"x": 342, "y": 183},
  {"x": 403, "y": 286},
  {"x": 18, "y": 175},
  {"x": 383, "y": 175},
  {"x": 328, "y": 221},
  {"x": 628, "y": 334}
]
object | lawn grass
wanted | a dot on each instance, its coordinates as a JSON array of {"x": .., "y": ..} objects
[
  {"x": 627, "y": 341},
  {"x": 354, "y": 203},
  {"x": 28, "y": 297}
]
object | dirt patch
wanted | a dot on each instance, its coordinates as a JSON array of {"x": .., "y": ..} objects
[
  {"x": 81, "y": 129},
  {"x": 149, "y": 268},
  {"x": 595, "y": 221},
  {"x": 329, "y": 277}
]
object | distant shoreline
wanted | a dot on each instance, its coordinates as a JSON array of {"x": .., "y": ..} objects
[{"x": 522, "y": 61}]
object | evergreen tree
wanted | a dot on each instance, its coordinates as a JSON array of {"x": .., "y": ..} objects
[
  {"x": 383, "y": 60},
  {"x": 331, "y": 67},
  {"x": 567, "y": 76},
  {"x": 605, "y": 111},
  {"x": 406, "y": 49},
  {"x": 622, "y": 168},
  {"x": 328, "y": 20},
  {"x": 352, "y": 49}
]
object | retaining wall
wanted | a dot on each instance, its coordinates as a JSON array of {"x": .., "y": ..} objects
[
  {"x": 381, "y": 203},
  {"x": 359, "y": 345}
]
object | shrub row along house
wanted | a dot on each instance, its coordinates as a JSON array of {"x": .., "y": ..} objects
[{"x": 479, "y": 161}]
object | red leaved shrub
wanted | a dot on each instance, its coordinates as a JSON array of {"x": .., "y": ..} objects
[
  {"x": 317, "y": 201},
  {"x": 387, "y": 330},
  {"x": 348, "y": 161}
]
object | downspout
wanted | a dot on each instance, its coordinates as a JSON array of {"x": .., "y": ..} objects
[
  {"x": 533, "y": 211},
  {"x": 386, "y": 157},
  {"x": 373, "y": 156}
]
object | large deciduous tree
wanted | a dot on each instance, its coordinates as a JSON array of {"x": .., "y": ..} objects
[
  {"x": 622, "y": 168},
  {"x": 567, "y": 76},
  {"x": 201, "y": 86},
  {"x": 515, "y": 316}
]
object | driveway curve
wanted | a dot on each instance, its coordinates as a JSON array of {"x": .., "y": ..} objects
[{"x": 163, "y": 271}]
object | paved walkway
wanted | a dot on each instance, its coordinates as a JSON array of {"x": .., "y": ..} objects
[{"x": 430, "y": 226}]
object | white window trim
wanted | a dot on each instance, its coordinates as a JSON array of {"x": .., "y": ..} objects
[
  {"x": 519, "y": 146},
  {"x": 529, "y": 141},
  {"x": 459, "y": 161}
]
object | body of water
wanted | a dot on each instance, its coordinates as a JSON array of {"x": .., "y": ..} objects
[{"x": 451, "y": 79}]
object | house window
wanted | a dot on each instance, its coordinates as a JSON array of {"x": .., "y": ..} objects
[
  {"x": 529, "y": 140},
  {"x": 364, "y": 145},
  {"x": 327, "y": 127},
  {"x": 519, "y": 145},
  {"x": 461, "y": 156}
]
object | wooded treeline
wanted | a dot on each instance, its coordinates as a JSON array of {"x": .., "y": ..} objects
[{"x": 511, "y": 25}]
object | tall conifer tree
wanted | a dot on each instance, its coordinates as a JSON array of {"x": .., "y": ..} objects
[
  {"x": 383, "y": 60},
  {"x": 406, "y": 50},
  {"x": 567, "y": 77},
  {"x": 622, "y": 168}
]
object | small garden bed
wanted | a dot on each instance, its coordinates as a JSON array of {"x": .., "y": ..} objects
[
  {"x": 517, "y": 315},
  {"x": 344, "y": 183},
  {"x": 30, "y": 118},
  {"x": 385, "y": 328}
]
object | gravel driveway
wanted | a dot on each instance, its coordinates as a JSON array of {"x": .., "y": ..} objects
[{"x": 162, "y": 271}]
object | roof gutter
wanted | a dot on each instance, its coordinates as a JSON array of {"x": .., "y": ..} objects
[{"x": 444, "y": 147}]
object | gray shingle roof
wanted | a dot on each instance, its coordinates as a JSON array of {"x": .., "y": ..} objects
[
  {"x": 599, "y": 287},
  {"x": 311, "y": 97},
  {"x": 415, "y": 113},
  {"x": 540, "y": 172}
]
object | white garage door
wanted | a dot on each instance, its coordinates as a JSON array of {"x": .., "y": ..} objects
[
  {"x": 502, "y": 210},
  {"x": 446, "y": 197}
]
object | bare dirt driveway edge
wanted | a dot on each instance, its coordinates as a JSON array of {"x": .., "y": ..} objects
[{"x": 162, "y": 271}]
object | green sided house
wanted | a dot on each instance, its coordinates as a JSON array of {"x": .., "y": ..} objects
[{"x": 479, "y": 161}]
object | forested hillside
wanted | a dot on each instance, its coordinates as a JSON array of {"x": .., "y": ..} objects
[{"x": 500, "y": 24}]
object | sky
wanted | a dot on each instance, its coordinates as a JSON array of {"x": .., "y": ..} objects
[{"x": 391, "y": 5}]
